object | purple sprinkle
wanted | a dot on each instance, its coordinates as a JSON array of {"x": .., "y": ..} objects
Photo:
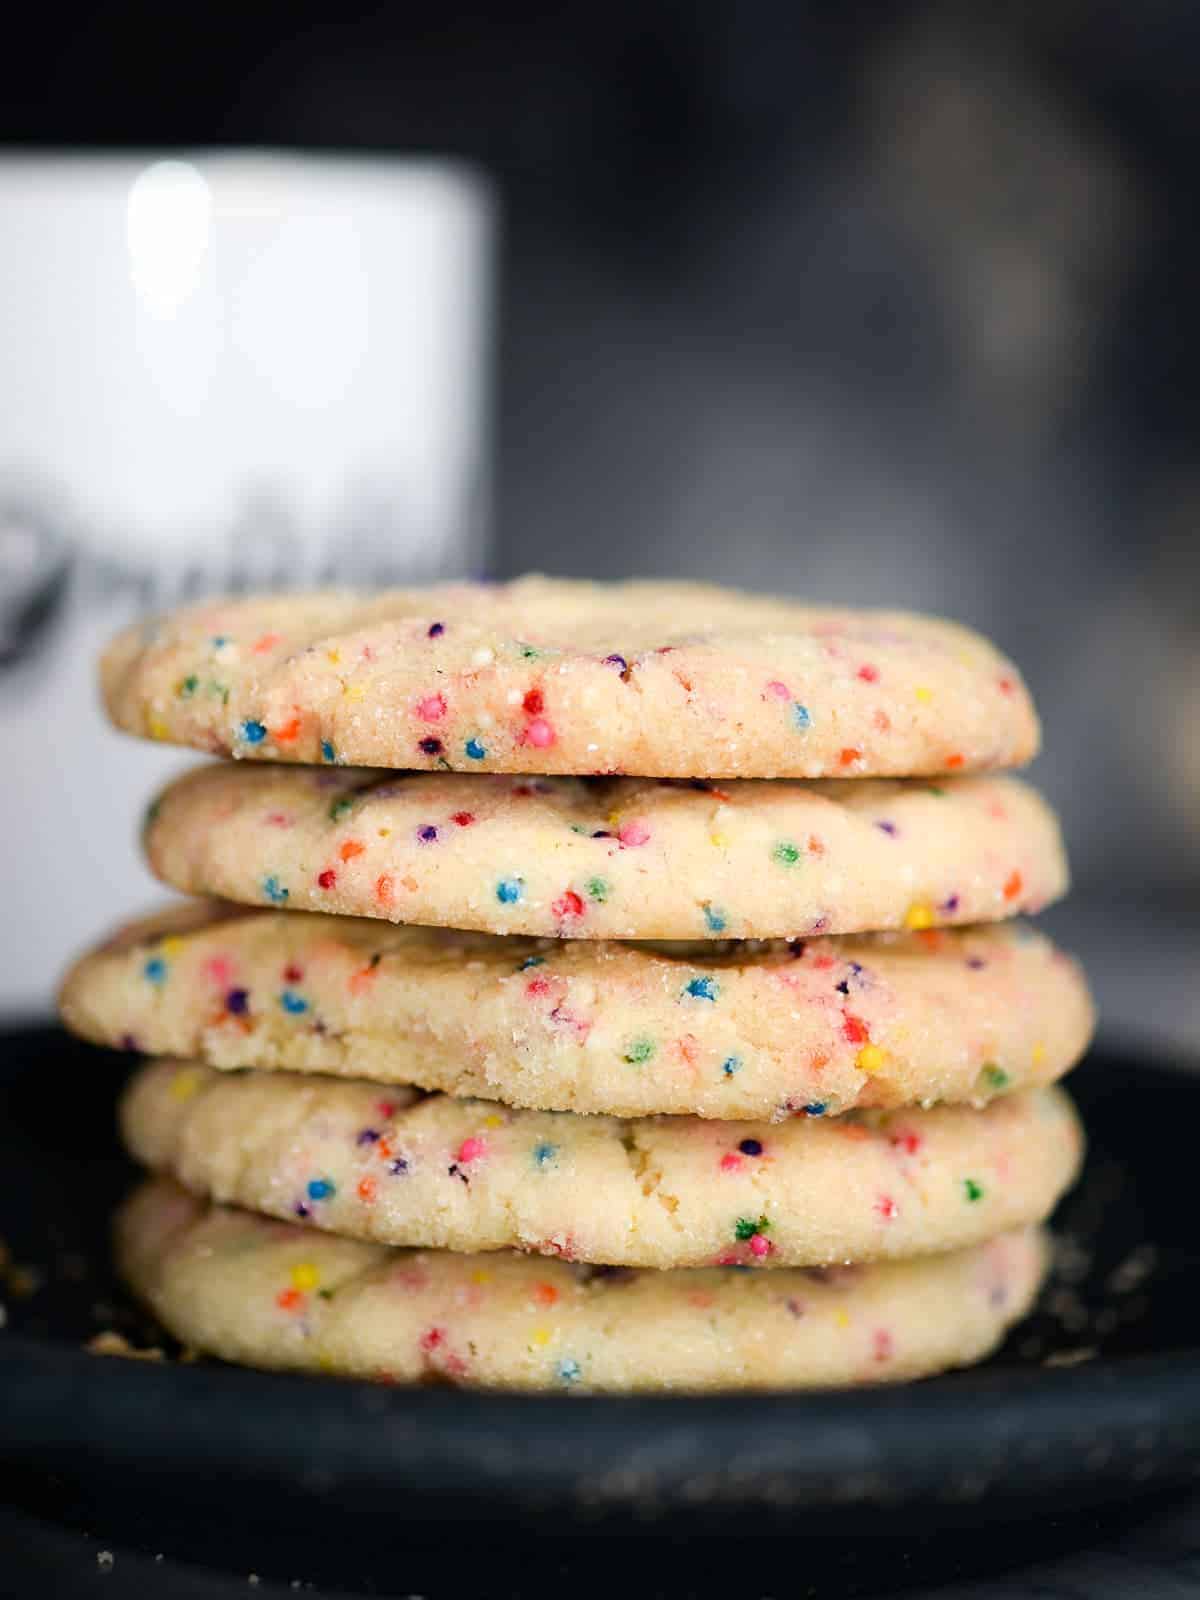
[
  {"x": 128, "y": 1042},
  {"x": 237, "y": 1002},
  {"x": 427, "y": 834},
  {"x": 796, "y": 1307},
  {"x": 398, "y": 1166},
  {"x": 949, "y": 907},
  {"x": 301, "y": 1209},
  {"x": 431, "y": 747},
  {"x": 602, "y": 833},
  {"x": 976, "y": 962},
  {"x": 887, "y": 827},
  {"x": 436, "y": 630},
  {"x": 368, "y": 1136},
  {"x": 617, "y": 661},
  {"x": 796, "y": 949}
]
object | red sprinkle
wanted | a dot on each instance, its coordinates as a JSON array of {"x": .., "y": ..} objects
[
  {"x": 910, "y": 1143},
  {"x": 730, "y": 1162},
  {"x": 327, "y": 879},
  {"x": 289, "y": 1299},
  {"x": 869, "y": 674},
  {"x": 432, "y": 708},
  {"x": 534, "y": 703},
  {"x": 292, "y": 973},
  {"x": 536, "y": 987},
  {"x": 854, "y": 1030},
  {"x": 568, "y": 905},
  {"x": 463, "y": 818},
  {"x": 886, "y": 1207}
]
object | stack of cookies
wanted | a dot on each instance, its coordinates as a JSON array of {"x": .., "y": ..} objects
[{"x": 707, "y": 1054}]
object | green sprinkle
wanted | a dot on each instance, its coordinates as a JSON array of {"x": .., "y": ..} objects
[
  {"x": 340, "y": 808},
  {"x": 187, "y": 687},
  {"x": 639, "y": 1050},
  {"x": 786, "y": 853},
  {"x": 597, "y": 889},
  {"x": 995, "y": 1077},
  {"x": 974, "y": 1190},
  {"x": 746, "y": 1227},
  {"x": 529, "y": 653},
  {"x": 933, "y": 789},
  {"x": 324, "y": 1294}
]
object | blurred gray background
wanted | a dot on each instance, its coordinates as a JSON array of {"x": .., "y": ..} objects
[{"x": 884, "y": 308}]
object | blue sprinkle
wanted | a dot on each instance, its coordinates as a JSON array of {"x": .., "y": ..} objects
[
  {"x": 751, "y": 1147},
  {"x": 274, "y": 890},
  {"x": 509, "y": 890},
  {"x": 703, "y": 989},
  {"x": 801, "y": 716},
  {"x": 569, "y": 1370},
  {"x": 714, "y": 919},
  {"x": 237, "y": 1002},
  {"x": 156, "y": 970},
  {"x": 815, "y": 1108},
  {"x": 321, "y": 1188},
  {"x": 436, "y": 630},
  {"x": 475, "y": 750},
  {"x": 427, "y": 833},
  {"x": 217, "y": 640},
  {"x": 328, "y": 753},
  {"x": 293, "y": 1002},
  {"x": 543, "y": 1154},
  {"x": 254, "y": 732},
  {"x": 531, "y": 961},
  {"x": 730, "y": 1065}
]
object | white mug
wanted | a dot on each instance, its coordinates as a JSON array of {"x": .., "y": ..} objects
[{"x": 218, "y": 371}]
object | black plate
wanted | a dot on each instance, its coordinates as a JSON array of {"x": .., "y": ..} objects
[{"x": 1094, "y": 1400}]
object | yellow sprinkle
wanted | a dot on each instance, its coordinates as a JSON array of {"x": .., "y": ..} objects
[
  {"x": 171, "y": 947},
  {"x": 383, "y": 832},
  {"x": 925, "y": 694},
  {"x": 184, "y": 1085},
  {"x": 354, "y": 691},
  {"x": 540, "y": 1336},
  {"x": 481, "y": 1277},
  {"x": 305, "y": 1276},
  {"x": 719, "y": 839},
  {"x": 334, "y": 655},
  {"x": 870, "y": 1058},
  {"x": 919, "y": 915},
  {"x": 493, "y": 1122},
  {"x": 841, "y": 1317},
  {"x": 156, "y": 727},
  {"x": 325, "y": 1361},
  {"x": 1039, "y": 1054}
]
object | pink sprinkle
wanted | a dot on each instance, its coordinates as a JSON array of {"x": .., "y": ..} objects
[
  {"x": 759, "y": 1246},
  {"x": 869, "y": 674},
  {"x": 432, "y": 708},
  {"x": 883, "y": 1344},
  {"x": 279, "y": 819},
  {"x": 537, "y": 987},
  {"x": 886, "y": 1207},
  {"x": 634, "y": 833},
  {"x": 732, "y": 1163},
  {"x": 779, "y": 690},
  {"x": 219, "y": 969},
  {"x": 539, "y": 734},
  {"x": 470, "y": 1150}
]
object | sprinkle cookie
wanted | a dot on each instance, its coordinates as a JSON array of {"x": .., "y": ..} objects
[
  {"x": 275, "y": 1294},
  {"x": 553, "y": 676},
  {"x": 366, "y": 1162},
  {"x": 611, "y": 859},
  {"x": 720, "y": 1030}
]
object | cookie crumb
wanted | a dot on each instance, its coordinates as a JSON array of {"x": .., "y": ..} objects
[
  {"x": 112, "y": 1343},
  {"x": 105, "y": 1560}
]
